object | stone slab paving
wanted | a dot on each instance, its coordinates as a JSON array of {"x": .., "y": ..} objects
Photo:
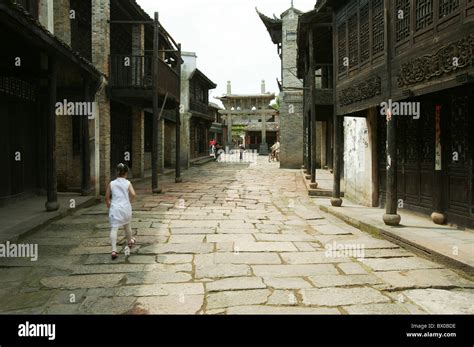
[{"x": 231, "y": 239}]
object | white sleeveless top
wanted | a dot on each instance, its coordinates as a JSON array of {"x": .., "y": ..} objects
[{"x": 120, "y": 212}]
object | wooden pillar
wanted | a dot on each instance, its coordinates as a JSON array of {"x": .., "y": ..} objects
[
  {"x": 263, "y": 145},
  {"x": 306, "y": 143},
  {"x": 154, "y": 153},
  {"x": 312, "y": 88},
  {"x": 336, "y": 200},
  {"x": 338, "y": 131},
  {"x": 229, "y": 131},
  {"x": 85, "y": 148},
  {"x": 52, "y": 179},
  {"x": 438, "y": 216},
  {"x": 178, "y": 178},
  {"x": 391, "y": 217}
]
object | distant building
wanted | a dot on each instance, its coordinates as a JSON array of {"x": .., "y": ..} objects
[
  {"x": 250, "y": 119},
  {"x": 197, "y": 120},
  {"x": 218, "y": 131},
  {"x": 283, "y": 32}
]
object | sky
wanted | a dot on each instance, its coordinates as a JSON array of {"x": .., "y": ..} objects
[{"x": 230, "y": 40}]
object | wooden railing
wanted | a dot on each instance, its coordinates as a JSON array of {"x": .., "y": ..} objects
[
  {"x": 136, "y": 72},
  {"x": 199, "y": 107},
  {"x": 324, "y": 78}
]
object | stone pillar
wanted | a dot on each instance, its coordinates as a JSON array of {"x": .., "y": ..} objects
[
  {"x": 263, "y": 144},
  {"x": 52, "y": 183},
  {"x": 185, "y": 130},
  {"x": 62, "y": 21},
  {"x": 229, "y": 132},
  {"x": 85, "y": 148},
  {"x": 138, "y": 142},
  {"x": 324, "y": 130},
  {"x": 46, "y": 14},
  {"x": 291, "y": 113},
  {"x": 161, "y": 145},
  {"x": 100, "y": 58},
  {"x": 319, "y": 145}
]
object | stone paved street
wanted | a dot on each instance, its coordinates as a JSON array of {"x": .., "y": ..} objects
[{"x": 232, "y": 239}]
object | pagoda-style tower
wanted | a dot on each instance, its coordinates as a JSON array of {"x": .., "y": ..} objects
[{"x": 283, "y": 32}]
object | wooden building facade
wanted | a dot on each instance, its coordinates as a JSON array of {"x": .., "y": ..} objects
[
  {"x": 406, "y": 68},
  {"x": 201, "y": 119},
  {"x": 112, "y": 62},
  {"x": 37, "y": 69},
  {"x": 315, "y": 68}
]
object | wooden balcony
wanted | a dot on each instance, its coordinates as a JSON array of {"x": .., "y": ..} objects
[
  {"x": 131, "y": 80},
  {"x": 324, "y": 85},
  {"x": 200, "y": 108}
]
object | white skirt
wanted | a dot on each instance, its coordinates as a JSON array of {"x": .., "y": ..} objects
[{"x": 120, "y": 215}]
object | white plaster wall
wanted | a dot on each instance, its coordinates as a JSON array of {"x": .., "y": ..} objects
[{"x": 357, "y": 161}]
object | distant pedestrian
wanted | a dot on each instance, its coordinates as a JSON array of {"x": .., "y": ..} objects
[
  {"x": 242, "y": 150},
  {"x": 118, "y": 198},
  {"x": 219, "y": 150}
]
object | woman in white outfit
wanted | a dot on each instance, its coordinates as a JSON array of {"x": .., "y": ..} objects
[{"x": 118, "y": 198}]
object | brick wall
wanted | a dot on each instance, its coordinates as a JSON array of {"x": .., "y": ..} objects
[
  {"x": 291, "y": 123},
  {"x": 62, "y": 21},
  {"x": 291, "y": 130}
]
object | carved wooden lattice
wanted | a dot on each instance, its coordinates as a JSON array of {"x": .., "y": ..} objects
[
  {"x": 361, "y": 91},
  {"x": 426, "y": 67},
  {"x": 364, "y": 33},
  {"x": 402, "y": 19},
  {"x": 446, "y": 7},
  {"x": 411, "y": 137},
  {"x": 378, "y": 30},
  {"x": 459, "y": 125},
  {"x": 382, "y": 135},
  {"x": 342, "y": 51},
  {"x": 353, "y": 40},
  {"x": 427, "y": 130},
  {"x": 17, "y": 88},
  {"x": 424, "y": 13}
]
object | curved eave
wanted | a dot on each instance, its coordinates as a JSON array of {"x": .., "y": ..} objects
[{"x": 274, "y": 27}]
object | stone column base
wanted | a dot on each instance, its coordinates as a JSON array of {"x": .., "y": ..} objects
[
  {"x": 314, "y": 185},
  {"x": 336, "y": 202},
  {"x": 439, "y": 218},
  {"x": 157, "y": 191},
  {"x": 51, "y": 206},
  {"x": 392, "y": 219},
  {"x": 263, "y": 149}
]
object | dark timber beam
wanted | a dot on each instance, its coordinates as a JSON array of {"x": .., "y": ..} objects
[
  {"x": 439, "y": 216},
  {"x": 85, "y": 148},
  {"x": 336, "y": 200},
  {"x": 312, "y": 88},
  {"x": 52, "y": 179},
  {"x": 178, "y": 178},
  {"x": 156, "y": 112},
  {"x": 391, "y": 217}
]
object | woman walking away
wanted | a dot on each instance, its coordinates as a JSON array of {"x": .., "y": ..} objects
[{"x": 118, "y": 196}]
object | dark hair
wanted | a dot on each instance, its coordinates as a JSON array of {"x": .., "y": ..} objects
[{"x": 122, "y": 169}]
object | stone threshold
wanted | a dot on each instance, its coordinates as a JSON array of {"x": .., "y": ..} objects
[
  {"x": 442, "y": 243},
  {"x": 323, "y": 184}
]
